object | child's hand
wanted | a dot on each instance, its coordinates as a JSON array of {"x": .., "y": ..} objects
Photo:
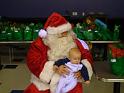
[
  {"x": 62, "y": 70},
  {"x": 87, "y": 82},
  {"x": 78, "y": 75}
]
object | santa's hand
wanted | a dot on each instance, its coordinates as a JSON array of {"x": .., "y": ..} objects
[
  {"x": 55, "y": 68},
  {"x": 62, "y": 70},
  {"x": 77, "y": 75}
]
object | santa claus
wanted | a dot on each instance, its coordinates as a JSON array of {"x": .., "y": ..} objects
[{"x": 53, "y": 43}]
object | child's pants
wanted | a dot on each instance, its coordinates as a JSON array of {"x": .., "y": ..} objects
[{"x": 66, "y": 84}]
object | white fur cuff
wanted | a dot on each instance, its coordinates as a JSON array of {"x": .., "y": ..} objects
[
  {"x": 87, "y": 64},
  {"x": 47, "y": 72},
  {"x": 54, "y": 82},
  {"x": 59, "y": 29},
  {"x": 38, "y": 83}
]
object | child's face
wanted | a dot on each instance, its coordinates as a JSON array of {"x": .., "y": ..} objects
[{"x": 75, "y": 58}]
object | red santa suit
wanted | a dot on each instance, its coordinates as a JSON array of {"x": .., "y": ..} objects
[{"x": 44, "y": 52}]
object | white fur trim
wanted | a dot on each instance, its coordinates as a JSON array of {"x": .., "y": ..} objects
[
  {"x": 87, "y": 64},
  {"x": 42, "y": 33},
  {"x": 59, "y": 29},
  {"x": 47, "y": 72},
  {"x": 84, "y": 44},
  {"x": 54, "y": 81},
  {"x": 38, "y": 83}
]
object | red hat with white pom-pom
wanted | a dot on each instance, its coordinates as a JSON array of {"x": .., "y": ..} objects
[{"x": 56, "y": 24}]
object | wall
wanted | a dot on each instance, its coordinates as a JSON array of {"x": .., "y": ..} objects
[{"x": 38, "y": 8}]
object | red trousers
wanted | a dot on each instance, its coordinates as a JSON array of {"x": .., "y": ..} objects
[{"x": 32, "y": 89}]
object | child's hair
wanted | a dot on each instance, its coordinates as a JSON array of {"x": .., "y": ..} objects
[
  {"x": 90, "y": 17},
  {"x": 74, "y": 50}
]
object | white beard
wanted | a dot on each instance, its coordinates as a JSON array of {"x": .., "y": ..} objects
[{"x": 59, "y": 46}]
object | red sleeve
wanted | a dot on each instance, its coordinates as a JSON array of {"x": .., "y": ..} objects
[
  {"x": 85, "y": 52},
  {"x": 37, "y": 56}
]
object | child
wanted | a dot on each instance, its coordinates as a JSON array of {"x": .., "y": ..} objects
[{"x": 68, "y": 82}]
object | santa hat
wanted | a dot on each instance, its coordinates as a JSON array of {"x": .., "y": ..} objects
[{"x": 56, "y": 24}]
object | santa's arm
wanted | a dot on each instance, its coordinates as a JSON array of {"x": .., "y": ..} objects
[
  {"x": 37, "y": 57},
  {"x": 86, "y": 56}
]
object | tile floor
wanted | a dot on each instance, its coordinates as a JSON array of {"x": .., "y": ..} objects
[{"x": 19, "y": 78}]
